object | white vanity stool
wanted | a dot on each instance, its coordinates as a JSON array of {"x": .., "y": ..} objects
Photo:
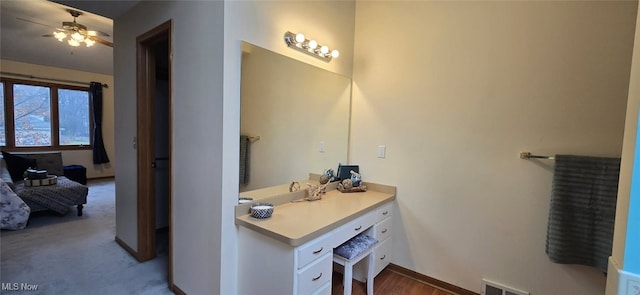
[{"x": 350, "y": 253}]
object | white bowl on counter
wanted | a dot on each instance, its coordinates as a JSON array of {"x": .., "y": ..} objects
[{"x": 261, "y": 210}]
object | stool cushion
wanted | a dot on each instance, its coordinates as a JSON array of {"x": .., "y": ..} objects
[{"x": 355, "y": 246}]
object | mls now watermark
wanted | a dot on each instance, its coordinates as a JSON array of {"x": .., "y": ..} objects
[{"x": 19, "y": 287}]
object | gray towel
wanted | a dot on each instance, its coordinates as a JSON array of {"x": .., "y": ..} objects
[
  {"x": 583, "y": 209},
  {"x": 244, "y": 159}
]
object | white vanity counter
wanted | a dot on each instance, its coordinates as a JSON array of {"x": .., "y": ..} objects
[
  {"x": 291, "y": 252},
  {"x": 300, "y": 222}
]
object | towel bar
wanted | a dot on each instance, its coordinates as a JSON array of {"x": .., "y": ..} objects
[{"x": 528, "y": 155}]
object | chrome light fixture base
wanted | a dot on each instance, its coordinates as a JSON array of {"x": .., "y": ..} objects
[{"x": 311, "y": 47}]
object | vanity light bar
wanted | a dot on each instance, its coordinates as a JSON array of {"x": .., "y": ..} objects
[{"x": 301, "y": 43}]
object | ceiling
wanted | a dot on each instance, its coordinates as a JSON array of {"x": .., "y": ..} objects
[{"x": 22, "y": 40}]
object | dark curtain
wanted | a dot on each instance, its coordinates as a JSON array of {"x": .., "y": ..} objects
[{"x": 99, "y": 153}]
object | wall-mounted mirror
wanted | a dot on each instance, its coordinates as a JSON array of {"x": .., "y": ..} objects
[{"x": 300, "y": 114}]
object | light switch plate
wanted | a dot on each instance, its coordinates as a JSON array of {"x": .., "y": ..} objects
[
  {"x": 382, "y": 151},
  {"x": 322, "y": 147}
]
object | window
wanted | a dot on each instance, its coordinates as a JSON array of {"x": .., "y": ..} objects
[
  {"x": 73, "y": 115},
  {"x": 31, "y": 115},
  {"x": 44, "y": 116}
]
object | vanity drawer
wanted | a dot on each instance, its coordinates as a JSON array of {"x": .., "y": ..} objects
[
  {"x": 382, "y": 254},
  {"x": 384, "y": 211},
  {"x": 382, "y": 230},
  {"x": 324, "y": 290},
  {"x": 353, "y": 228},
  {"x": 314, "y": 249},
  {"x": 313, "y": 277}
]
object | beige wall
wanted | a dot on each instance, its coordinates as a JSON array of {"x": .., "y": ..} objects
[
  {"x": 263, "y": 23},
  {"x": 197, "y": 129},
  {"x": 456, "y": 90},
  {"x": 80, "y": 157}
]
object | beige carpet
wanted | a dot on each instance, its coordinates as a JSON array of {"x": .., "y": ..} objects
[{"x": 77, "y": 255}]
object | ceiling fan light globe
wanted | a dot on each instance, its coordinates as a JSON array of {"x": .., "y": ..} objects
[
  {"x": 60, "y": 36},
  {"x": 77, "y": 36},
  {"x": 89, "y": 42},
  {"x": 73, "y": 42}
]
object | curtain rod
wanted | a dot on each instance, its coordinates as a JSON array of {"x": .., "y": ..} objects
[{"x": 49, "y": 79}]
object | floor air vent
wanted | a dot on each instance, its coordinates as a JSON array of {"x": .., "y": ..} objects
[{"x": 493, "y": 288}]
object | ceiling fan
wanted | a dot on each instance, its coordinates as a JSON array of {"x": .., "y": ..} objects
[{"x": 76, "y": 34}]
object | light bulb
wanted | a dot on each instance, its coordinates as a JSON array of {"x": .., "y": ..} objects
[
  {"x": 324, "y": 49},
  {"x": 77, "y": 36},
  {"x": 59, "y": 35},
  {"x": 73, "y": 42},
  {"x": 335, "y": 53},
  {"x": 89, "y": 42},
  {"x": 313, "y": 44},
  {"x": 300, "y": 38}
]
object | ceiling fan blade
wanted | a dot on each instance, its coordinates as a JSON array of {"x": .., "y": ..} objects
[
  {"x": 97, "y": 33},
  {"x": 33, "y": 22},
  {"x": 101, "y": 41}
]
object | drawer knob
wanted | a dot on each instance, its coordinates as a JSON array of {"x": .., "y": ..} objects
[
  {"x": 318, "y": 251},
  {"x": 383, "y": 257},
  {"x": 385, "y": 212},
  {"x": 358, "y": 228},
  {"x": 384, "y": 231},
  {"x": 317, "y": 278}
]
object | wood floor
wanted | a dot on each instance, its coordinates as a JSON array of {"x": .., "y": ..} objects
[{"x": 388, "y": 282}]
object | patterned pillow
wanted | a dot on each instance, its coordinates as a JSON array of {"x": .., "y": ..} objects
[
  {"x": 4, "y": 173},
  {"x": 14, "y": 211},
  {"x": 17, "y": 165}
]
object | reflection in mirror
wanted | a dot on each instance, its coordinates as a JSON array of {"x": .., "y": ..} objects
[{"x": 301, "y": 115}]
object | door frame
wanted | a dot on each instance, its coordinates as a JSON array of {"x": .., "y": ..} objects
[{"x": 145, "y": 102}]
